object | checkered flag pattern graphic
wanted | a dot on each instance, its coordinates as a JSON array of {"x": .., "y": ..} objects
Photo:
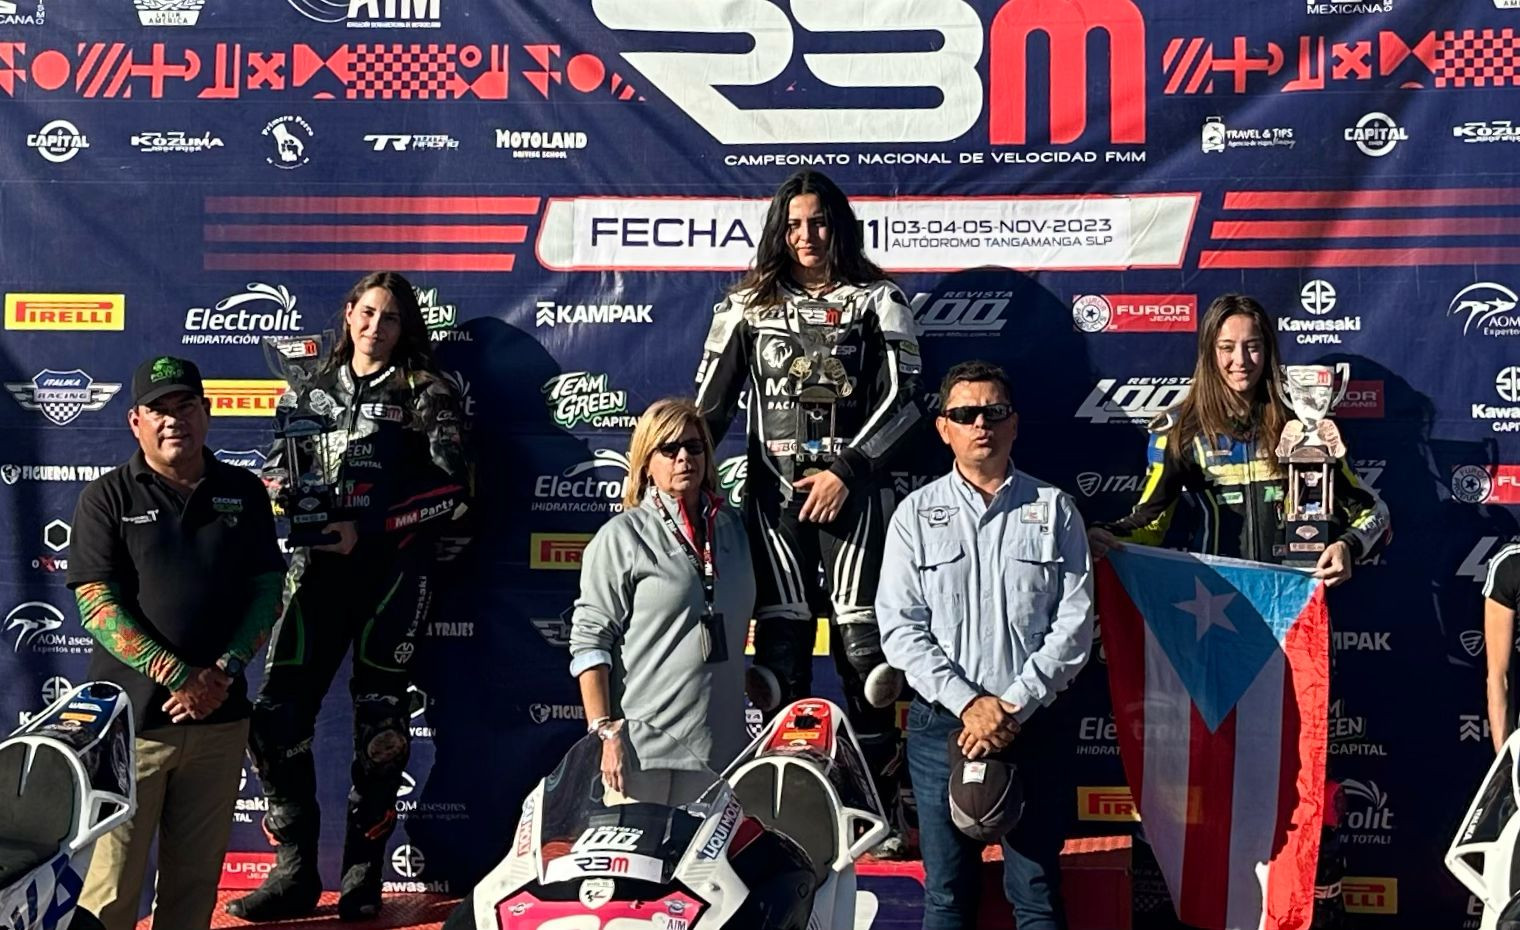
[
  {"x": 1478, "y": 58},
  {"x": 403, "y": 72}
]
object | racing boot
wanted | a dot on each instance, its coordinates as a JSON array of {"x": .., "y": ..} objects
[
  {"x": 1329, "y": 904},
  {"x": 363, "y": 856},
  {"x": 293, "y": 886},
  {"x": 862, "y": 649},
  {"x": 783, "y": 667}
]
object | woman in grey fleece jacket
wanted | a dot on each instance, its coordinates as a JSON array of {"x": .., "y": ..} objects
[{"x": 644, "y": 643}]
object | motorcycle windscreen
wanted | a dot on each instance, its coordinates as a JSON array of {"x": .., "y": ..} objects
[
  {"x": 637, "y": 829},
  {"x": 1482, "y": 856}
]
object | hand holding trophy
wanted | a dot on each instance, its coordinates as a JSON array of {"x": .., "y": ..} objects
[{"x": 307, "y": 430}]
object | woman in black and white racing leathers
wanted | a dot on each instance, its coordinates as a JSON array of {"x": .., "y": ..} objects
[
  {"x": 404, "y": 478},
  {"x": 813, "y": 496}
]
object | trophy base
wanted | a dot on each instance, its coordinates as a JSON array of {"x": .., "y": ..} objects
[{"x": 1304, "y": 541}]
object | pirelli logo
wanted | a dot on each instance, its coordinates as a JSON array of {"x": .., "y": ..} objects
[
  {"x": 1112, "y": 804},
  {"x": 66, "y": 311},
  {"x": 244, "y": 398},
  {"x": 1370, "y": 895},
  {"x": 558, "y": 550}
]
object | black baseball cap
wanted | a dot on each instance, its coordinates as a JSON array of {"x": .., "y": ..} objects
[
  {"x": 161, "y": 376},
  {"x": 986, "y": 794}
]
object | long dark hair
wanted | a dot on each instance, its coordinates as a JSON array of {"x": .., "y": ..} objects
[
  {"x": 845, "y": 258},
  {"x": 1211, "y": 408},
  {"x": 414, "y": 350}
]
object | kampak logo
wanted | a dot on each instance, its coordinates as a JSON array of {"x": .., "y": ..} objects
[
  {"x": 552, "y": 314},
  {"x": 695, "y": 81},
  {"x": 593, "y": 486},
  {"x": 62, "y": 396},
  {"x": 577, "y": 397},
  {"x": 372, "y": 14},
  {"x": 1489, "y": 309},
  {"x": 244, "y": 318}
]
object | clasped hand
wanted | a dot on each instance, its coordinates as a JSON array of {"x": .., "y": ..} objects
[{"x": 988, "y": 725}]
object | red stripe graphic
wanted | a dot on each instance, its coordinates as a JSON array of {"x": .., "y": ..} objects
[
  {"x": 355, "y": 261},
  {"x": 294, "y": 222},
  {"x": 409, "y": 206},
  {"x": 233, "y": 232},
  {"x": 1205, "y": 897},
  {"x": 1373, "y": 199},
  {"x": 1342, "y": 258},
  {"x": 1340, "y": 228}
]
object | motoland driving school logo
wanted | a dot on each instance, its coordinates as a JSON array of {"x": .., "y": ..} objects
[
  {"x": 70, "y": 312},
  {"x": 61, "y": 396}
]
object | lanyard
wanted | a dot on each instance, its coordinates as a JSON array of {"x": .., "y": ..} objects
[{"x": 703, "y": 561}]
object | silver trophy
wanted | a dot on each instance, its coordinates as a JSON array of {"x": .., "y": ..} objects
[
  {"x": 1309, "y": 450},
  {"x": 308, "y": 438},
  {"x": 818, "y": 380}
]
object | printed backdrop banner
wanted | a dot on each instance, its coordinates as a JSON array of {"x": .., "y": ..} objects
[{"x": 1061, "y": 186}]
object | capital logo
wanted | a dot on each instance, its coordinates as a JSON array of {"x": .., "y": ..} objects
[
  {"x": 290, "y": 137},
  {"x": 408, "y": 861},
  {"x": 696, "y": 81},
  {"x": 31, "y": 619},
  {"x": 71, "y": 312},
  {"x": 561, "y": 551},
  {"x": 1317, "y": 297},
  {"x": 1376, "y": 134},
  {"x": 55, "y": 688},
  {"x": 62, "y": 396},
  {"x": 237, "y": 397},
  {"x": 58, "y": 141},
  {"x": 1489, "y": 307}
]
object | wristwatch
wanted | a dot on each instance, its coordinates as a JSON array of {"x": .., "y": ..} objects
[{"x": 230, "y": 664}]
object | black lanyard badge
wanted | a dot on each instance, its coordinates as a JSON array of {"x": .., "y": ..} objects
[{"x": 713, "y": 639}]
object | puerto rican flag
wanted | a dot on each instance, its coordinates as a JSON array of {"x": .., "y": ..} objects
[{"x": 1219, "y": 671}]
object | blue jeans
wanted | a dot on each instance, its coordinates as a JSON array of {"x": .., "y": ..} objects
[{"x": 1031, "y": 852}]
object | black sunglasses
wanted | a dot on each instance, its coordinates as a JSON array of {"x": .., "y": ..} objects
[
  {"x": 673, "y": 448},
  {"x": 992, "y": 413}
]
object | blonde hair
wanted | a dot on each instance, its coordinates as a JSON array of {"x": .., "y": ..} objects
[{"x": 662, "y": 422}]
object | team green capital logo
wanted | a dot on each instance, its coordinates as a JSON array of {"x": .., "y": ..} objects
[{"x": 166, "y": 368}]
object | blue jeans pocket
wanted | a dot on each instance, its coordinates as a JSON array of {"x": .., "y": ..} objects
[{"x": 920, "y": 715}]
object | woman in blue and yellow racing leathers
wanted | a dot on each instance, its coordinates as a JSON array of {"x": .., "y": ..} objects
[{"x": 1219, "y": 447}]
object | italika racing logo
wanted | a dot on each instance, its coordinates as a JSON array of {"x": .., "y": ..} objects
[{"x": 62, "y": 396}]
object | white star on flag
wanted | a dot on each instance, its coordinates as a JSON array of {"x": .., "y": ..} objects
[{"x": 1207, "y": 609}]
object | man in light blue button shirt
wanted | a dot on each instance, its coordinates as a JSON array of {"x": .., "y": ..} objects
[{"x": 985, "y": 602}]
